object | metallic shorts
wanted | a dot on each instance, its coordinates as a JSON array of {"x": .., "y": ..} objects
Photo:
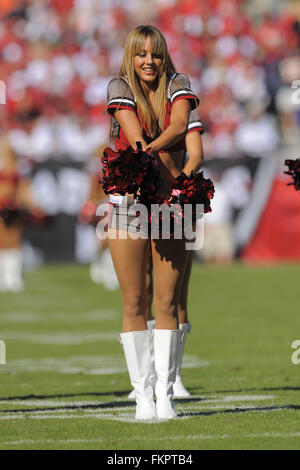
[{"x": 124, "y": 215}]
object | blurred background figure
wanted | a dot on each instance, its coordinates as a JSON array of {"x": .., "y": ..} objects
[
  {"x": 16, "y": 208},
  {"x": 218, "y": 244},
  {"x": 102, "y": 270},
  {"x": 56, "y": 59}
]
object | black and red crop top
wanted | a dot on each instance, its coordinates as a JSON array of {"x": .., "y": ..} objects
[{"x": 120, "y": 96}]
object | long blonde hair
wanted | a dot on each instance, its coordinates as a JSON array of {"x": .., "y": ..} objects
[{"x": 154, "y": 118}]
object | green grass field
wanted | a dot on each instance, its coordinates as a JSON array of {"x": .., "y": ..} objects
[{"x": 65, "y": 384}]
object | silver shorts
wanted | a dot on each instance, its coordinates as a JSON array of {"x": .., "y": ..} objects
[{"x": 124, "y": 215}]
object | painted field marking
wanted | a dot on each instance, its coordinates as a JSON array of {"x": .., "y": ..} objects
[
  {"x": 89, "y": 365},
  {"x": 62, "y": 317},
  {"x": 230, "y": 398},
  {"x": 63, "y": 338},
  {"x": 108, "y": 414},
  {"x": 202, "y": 401},
  {"x": 53, "y": 403},
  {"x": 125, "y": 413},
  {"x": 49, "y": 441}
]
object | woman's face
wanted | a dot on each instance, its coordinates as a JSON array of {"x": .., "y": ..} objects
[{"x": 147, "y": 65}]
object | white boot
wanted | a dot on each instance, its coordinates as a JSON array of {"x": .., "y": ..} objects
[
  {"x": 152, "y": 378},
  {"x": 2, "y": 274},
  {"x": 166, "y": 345},
  {"x": 179, "y": 389},
  {"x": 11, "y": 270},
  {"x": 136, "y": 345}
]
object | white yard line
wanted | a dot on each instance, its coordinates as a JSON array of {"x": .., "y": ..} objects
[
  {"x": 63, "y": 338},
  {"x": 230, "y": 398},
  {"x": 124, "y": 411},
  {"x": 89, "y": 365},
  {"x": 62, "y": 317},
  {"x": 203, "y": 401},
  {"x": 48, "y": 441}
]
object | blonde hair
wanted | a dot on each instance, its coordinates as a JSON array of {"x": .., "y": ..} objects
[{"x": 154, "y": 118}]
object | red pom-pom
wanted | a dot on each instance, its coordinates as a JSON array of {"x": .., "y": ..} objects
[
  {"x": 294, "y": 172},
  {"x": 129, "y": 171},
  {"x": 193, "y": 189}
]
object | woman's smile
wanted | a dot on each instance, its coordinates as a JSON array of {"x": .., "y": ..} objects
[{"x": 147, "y": 65}]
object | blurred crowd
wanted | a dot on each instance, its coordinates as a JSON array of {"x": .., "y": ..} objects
[{"x": 57, "y": 57}]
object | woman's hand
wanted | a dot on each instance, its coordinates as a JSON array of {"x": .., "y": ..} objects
[{"x": 151, "y": 151}]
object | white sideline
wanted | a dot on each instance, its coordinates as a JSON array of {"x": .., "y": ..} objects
[
  {"x": 62, "y": 317},
  {"x": 64, "y": 338},
  {"x": 204, "y": 400},
  {"x": 124, "y": 414},
  {"x": 90, "y": 365}
]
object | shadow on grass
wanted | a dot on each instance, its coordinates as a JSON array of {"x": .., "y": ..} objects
[
  {"x": 131, "y": 403},
  {"x": 100, "y": 406},
  {"x": 66, "y": 395},
  {"x": 239, "y": 410},
  {"x": 122, "y": 404}
]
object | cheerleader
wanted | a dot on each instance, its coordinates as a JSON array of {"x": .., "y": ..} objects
[
  {"x": 193, "y": 164},
  {"x": 15, "y": 204},
  {"x": 10, "y": 221},
  {"x": 149, "y": 103}
]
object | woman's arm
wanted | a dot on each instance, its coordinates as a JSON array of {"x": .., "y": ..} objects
[
  {"x": 195, "y": 151},
  {"x": 176, "y": 130},
  {"x": 131, "y": 127}
]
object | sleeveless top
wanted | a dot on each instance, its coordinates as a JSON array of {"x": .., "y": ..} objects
[{"x": 120, "y": 96}]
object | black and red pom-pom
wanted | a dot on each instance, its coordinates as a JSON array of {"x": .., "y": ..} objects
[
  {"x": 193, "y": 189},
  {"x": 294, "y": 172},
  {"x": 10, "y": 211},
  {"x": 129, "y": 171}
]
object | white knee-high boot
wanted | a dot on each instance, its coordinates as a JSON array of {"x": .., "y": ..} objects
[
  {"x": 136, "y": 345},
  {"x": 179, "y": 389},
  {"x": 11, "y": 270},
  {"x": 152, "y": 378},
  {"x": 166, "y": 345}
]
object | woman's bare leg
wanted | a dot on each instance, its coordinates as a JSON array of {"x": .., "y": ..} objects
[
  {"x": 183, "y": 296},
  {"x": 149, "y": 283},
  {"x": 130, "y": 259},
  {"x": 169, "y": 262}
]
